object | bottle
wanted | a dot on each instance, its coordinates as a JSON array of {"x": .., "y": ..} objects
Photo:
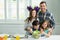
[
  {"x": 1, "y": 38},
  {"x": 5, "y": 37},
  {"x": 17, "y": 37}
]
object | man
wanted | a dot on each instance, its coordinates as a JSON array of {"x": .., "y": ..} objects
[{"x": 44, "y": 14}]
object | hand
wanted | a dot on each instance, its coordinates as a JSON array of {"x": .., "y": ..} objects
[{"x": 30, "y": 31}]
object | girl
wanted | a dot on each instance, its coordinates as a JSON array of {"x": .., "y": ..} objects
[
  {"x": 31, "y": 18},
  {"x": 46, "y": 28}
]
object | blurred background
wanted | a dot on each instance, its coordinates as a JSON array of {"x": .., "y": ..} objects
[{"x": 14, "y": 12}]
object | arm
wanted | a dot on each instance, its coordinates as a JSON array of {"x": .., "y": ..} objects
[
  {"x": 26, "y": 23},
  {"x": 49, "y": 32},
  {"x": 52, "y": 21},
  {"x": 50, "y": 17},
  {"x": 46, "y": 34},
  {"x": 29, "y": 29}
]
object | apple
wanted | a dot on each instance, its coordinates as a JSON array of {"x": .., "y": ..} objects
[{"x": 35, "y": 34}]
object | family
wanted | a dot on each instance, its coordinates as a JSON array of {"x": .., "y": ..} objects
[{"x": 42, "y": 21}]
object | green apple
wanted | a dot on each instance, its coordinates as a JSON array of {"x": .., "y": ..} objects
[{"x": 35, "y": 34}]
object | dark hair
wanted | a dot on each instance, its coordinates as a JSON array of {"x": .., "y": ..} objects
[
  {"x": 48, "y": 24},
  {"x": 35, "y": 22},
  {"x": 30, "y": 15},
  {"x": 43, "y": 2}
]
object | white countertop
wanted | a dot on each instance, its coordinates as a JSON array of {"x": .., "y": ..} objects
[{"x": 52, "y": 37}]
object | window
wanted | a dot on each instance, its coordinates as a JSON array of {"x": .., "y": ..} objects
[
  {"x": 15, "y": 10},
  {"x": 2, "y": 16}
]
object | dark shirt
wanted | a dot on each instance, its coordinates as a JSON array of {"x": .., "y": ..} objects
[
  {"x": 35, "y": 29},
  {"x": 46, "y": 16}
]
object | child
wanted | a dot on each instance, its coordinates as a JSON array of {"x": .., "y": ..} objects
[
  {"x": 31, "y": 18},
  {"x": 46, "y": 28},
  {"x": 35, "y": 26}
]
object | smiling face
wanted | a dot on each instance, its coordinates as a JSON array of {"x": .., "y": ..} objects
[
  {"x": 36, "y": 27},
  {"x": 34, "y": 13},
  {"x": 44, "y": 25},
  {"x": 43, "y": 7}
]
